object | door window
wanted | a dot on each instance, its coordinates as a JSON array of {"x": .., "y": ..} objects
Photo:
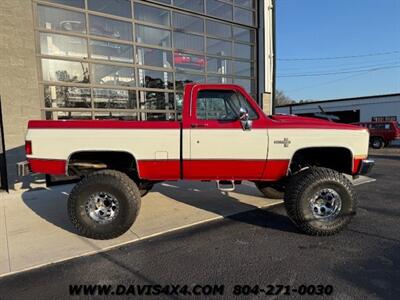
[{"x": 222, "y": 105}]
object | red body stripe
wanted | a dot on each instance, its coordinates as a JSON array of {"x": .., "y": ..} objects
[
  {"x": 103, "y": 124},
  {"x": 223, "y": 169},
  {"x": 159, "y": 169},
  {"x": 275, "y": 169},
  {"x": 193, "y": 169},
  {"x": 47, "y": 166}
]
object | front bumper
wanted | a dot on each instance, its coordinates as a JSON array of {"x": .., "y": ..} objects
[{"x": 366, "y": 166}]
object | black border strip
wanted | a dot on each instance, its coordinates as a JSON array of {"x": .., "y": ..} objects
[{"x": 3, "y": 161}]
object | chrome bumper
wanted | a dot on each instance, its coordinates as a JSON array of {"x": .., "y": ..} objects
[
  {"x": 366, "y": 166},
  {"x": 23, "y": 168}
]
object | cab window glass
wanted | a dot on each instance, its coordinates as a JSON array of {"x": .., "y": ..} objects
[
  {"x": 239, "y": 101},
  {"x": 380, "y": 126},
  {"x": 222, "y": 105}
]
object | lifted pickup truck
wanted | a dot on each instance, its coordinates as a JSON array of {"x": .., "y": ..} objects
[{"x": 223, "y": 136}]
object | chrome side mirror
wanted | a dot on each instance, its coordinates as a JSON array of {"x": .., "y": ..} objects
[{"x": 244, "y": 119}]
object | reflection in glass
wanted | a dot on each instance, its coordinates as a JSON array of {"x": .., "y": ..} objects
[
  {"x": 243, "y": 51},
  {"x": 219, "y": 65},
  {"x": 153, "y": 36},
  {"x": 76, "y": 3},
  {"x": 62, "y": 70},
  {"x": 155, "y": 79},
  {"x": 158, "y": 116},
  {"x": 114, "y": 99},
  {"x": 164, "y": 1},
  {"x": 243, "y": 68},
  {"x": 186, "y": 41},
  {"x": 67, "y": 115},
  {"x": 195, "y": 5},
  {"x": 243, "y": 34},
  {"x": 110, "y": 28},
  {"x": 179, "y": 104},
  {"x": 156, "y": 100},
  {"x": 184, "y": 61},
  {"x": 152, "y": 14},
  {"x": 120, "y": 8},
  {"x": 181, "y": 79},
  {"x": 244, "y": 16},
  {"x": 219, "y": 9},
  {"x": 219, "y": 47},
  {"x": 219, "y": 79},
  {"x": 112, "y": 115},
  {"x": 62, "y": 45},
  {"x": 188, "y": 23},
  {"x": 218, "y": 29},
  {"x": 113, "y": 75},
  {"x": 67, "y": 97},
  {"x": 247, "y": 84},
  {"x": 246, "y": 3},
  {"x": 61, "y": 19},
  {"x": 154, "y": 57},
  {"x": 111, "y": 51}
]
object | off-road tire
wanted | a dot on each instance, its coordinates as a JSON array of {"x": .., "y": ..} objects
[
  {"x": 377, "y": 143},
  {"x": 109, "y": 181},
  {"x": 270, "y": 190},
  {"x": 300, "y": 191}
]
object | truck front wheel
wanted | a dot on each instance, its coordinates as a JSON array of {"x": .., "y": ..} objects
[
  {"x": 320, "y": 201},
  {"x": 104, "y": 204}
]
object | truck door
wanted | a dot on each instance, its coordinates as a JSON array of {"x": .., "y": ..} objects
[{"x": 220, "y": 148}]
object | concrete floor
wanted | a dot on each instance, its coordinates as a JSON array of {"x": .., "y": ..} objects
[{"x": 35, "y": 230}]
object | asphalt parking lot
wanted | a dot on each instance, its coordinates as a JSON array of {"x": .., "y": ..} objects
[{"x": 260, "y": 247}]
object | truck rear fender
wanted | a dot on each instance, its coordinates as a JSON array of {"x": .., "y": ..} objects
[{"x": 90, "y": 160}]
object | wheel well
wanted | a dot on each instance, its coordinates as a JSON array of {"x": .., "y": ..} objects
[
  {"x": 336, "y": 158},
  {"x": 81, "y": 163}
]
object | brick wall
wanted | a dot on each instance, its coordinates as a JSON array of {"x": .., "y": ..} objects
[{"x": 19, "y": 88}]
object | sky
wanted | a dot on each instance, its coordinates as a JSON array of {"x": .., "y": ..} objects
[{"x": 357, "y": 40}]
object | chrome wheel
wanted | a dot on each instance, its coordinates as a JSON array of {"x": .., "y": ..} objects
[
  {"x": 325, "y": 204},
  {"x": 102, "y": 207}
]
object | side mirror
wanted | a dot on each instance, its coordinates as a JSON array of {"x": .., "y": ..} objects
[{"x": 244, "y": 119}]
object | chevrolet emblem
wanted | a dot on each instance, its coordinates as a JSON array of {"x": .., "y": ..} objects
[{"x": 286, "y": 142}]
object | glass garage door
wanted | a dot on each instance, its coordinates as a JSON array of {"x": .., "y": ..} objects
[{"x": 129, "y": 60}]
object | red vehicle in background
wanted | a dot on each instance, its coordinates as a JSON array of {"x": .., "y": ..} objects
[{"x": 382, "y": 133}]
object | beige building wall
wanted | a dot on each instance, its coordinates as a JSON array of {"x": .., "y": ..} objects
[{"x": 19, "y": 87}]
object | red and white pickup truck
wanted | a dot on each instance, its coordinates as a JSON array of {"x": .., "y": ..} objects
[{"x": 223, "y": 136}]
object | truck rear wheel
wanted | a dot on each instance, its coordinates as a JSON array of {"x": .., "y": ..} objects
[
  {"x": 104, "y": 204},
  {"x": 320, "y": 201},
  {"x": 270, "y": 190}
]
